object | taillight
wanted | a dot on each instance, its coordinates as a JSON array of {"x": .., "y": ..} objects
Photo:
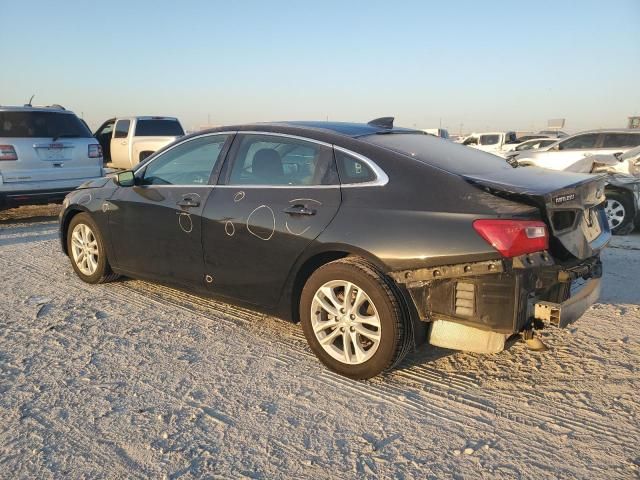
[
  {"x": 514, "y": 237},
  {"x": 7, "y": 152},
  {"x": 95, "y": 151}
]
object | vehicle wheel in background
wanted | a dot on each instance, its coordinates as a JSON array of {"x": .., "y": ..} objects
[
  {"x": 86, "y": 250},
  {"x": 353, "y": 320},
  {"x": 619, "y": 213}
]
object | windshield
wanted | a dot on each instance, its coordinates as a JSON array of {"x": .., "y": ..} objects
[
  {"x": 42, "y": 125},
  {"x": 630, "y": 153},
  {"x": 449, "y": 156},
  {"x": 158, "y": 128}
]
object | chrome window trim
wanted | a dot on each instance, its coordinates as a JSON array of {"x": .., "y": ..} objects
[
  {"x": 140, "y": 167},
  {"x": 381, "y": 177}
]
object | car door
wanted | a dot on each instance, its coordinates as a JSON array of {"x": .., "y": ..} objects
[
  {"x": 155, "y": 224},
  {"x": 277, "y": 195},
  {"x": 119, "y": 150},
  {"x": 103, "y": 135}
]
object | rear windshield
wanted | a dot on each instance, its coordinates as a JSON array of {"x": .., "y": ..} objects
[
  {"x": 449, "y": 156},
  {"x": 158, "y": 128},
  {"x": 42, "y": 125}
]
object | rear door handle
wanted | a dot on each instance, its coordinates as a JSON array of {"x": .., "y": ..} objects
[
  {"x": 299, "y": 210},
  {"x": 188, "y": 202}
]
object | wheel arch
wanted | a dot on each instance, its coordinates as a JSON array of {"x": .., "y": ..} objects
[
  {"x": 312, "y": 262},
  {"x": 65, "y": 221}
]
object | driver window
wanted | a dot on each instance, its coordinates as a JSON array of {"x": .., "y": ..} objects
[{"x": 190, "y": 163}]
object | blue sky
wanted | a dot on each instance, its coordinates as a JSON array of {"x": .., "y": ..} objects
[{"x": 482, "y": 65}]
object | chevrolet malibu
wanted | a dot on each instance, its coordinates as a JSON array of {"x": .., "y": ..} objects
[{"x": 377, "y": 239}]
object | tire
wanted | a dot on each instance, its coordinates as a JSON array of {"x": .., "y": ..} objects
[
  {"x": 620, "y": 213},
  {"x": 83, "y": 235},
  {"x": 372, "y": 348}
]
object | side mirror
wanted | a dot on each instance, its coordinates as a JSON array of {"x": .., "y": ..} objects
[{"x": 126, "y": 179}]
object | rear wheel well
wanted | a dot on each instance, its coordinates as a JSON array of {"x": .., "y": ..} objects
[{"x": 303, "y": 274}]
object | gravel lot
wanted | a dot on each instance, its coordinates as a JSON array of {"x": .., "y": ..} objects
[{"x": 136, "y": 380}]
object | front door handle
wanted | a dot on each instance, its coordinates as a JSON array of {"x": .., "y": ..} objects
[
  {"x": 299, "y": 210},
  {"x": 188, "y": 202}
]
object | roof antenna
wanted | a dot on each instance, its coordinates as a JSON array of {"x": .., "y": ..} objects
[
  {"x": 382, "y": 122},
  {"x": 30, "y": 100}
]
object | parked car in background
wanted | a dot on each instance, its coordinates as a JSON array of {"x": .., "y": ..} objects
[
  {"x": 126, "y": 141},
  {"x": 491, "y": 142},
  {"x": 571, "y": 150},
  {"x": 45, "y": 152},
  {"x": 438, "y": 132},
  {"x": 516, "y": 149},
  {"x": 311, "y": 221},
  {"x": 623, "y": 187}
]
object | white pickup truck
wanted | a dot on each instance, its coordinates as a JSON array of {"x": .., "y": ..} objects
[
  {"x": 493, "y": 142},
  {"x": 126, "y": 141}
]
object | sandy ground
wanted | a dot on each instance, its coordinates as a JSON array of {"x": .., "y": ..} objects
[{"x": 135, "y": 380}]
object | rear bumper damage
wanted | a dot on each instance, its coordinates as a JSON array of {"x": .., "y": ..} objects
[{"x": 477, "y": 306}]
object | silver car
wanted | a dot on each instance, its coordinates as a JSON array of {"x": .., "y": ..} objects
[{"x": 45, "y": 152}]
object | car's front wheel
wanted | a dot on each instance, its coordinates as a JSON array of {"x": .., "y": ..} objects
[
  {"x": 85, "y": 247},
  {"x": 353, "y": 319}
]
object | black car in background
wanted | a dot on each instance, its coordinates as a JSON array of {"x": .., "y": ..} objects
[{"x": 376, "y": 238}]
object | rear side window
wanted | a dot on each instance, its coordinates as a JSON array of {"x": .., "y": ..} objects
[
  {"x": 158, "y": 128},
  {"x": 353, "y": 170},
  {"x": 273, "y": 160},
  {"x": 122, "y": 128},
  {"x": 621, "y": 140},
  {"x": 42, "y": 125},
  {"x": 587, "y": 140}
]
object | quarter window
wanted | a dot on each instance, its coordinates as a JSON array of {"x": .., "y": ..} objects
[
  {"x": 621, "y": 140},
  {"x": 122, "y": 128},
  {"x": 190, "y": 163},
  {"x": 353, "y": 170},
  {"x": 274, "y": 160},
  {"x": 580, "y": 142}
]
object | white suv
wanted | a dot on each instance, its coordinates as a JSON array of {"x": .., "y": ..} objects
[{"x": 45, "y": 152}]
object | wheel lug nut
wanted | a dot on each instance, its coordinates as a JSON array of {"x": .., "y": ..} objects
[
  {"x": 353, "y": 329},
  {"x": 342, "y": 329},
  {"x": 352, "y": 316},
  {"x": 342, "y": 310}
]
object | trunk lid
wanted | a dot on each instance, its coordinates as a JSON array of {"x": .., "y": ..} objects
[{"x": 570, "y": 203}]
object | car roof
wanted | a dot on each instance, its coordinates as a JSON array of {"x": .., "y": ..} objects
[
  {"x": 608, "y": 130},
  {"x": 315, "y": 129},
  {"x": 348, "y": 129},
  {"x": 27, "y": 108}
]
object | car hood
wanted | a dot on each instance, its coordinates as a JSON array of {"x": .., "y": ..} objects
[{"x": 95, "y": 183}]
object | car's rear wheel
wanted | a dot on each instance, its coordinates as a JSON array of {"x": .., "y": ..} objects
[
  {"x": 353, "y": 319},
  {"x": 85, "y": 247},
  {"x": 619, "y": 213}
]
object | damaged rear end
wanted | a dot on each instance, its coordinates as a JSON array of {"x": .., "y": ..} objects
[{"x": 548, "y": 270}]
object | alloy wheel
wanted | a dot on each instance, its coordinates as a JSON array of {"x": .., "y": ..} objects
[
  {"x": 345, "y": 322},
  {"x": 84, "y": 249},
  {"x": 615, "y": 212}
]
